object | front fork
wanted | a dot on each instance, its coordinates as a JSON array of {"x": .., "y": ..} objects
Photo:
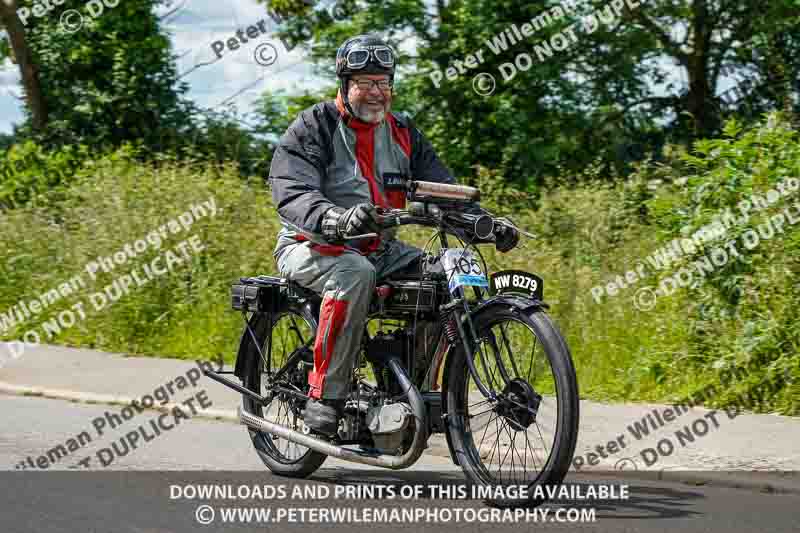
[
  {"x": 459, "y": 314},
  {"x": 458, "y": 311}
]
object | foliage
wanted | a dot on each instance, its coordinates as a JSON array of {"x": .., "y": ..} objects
[
  {"x": 611, "y": 94},
  {"x": 115, "y": 201},
  {"x": 111, "y": 81},
  {"x": 276, "y": 111},
  {"x": 28, "y": 170},
  {"x": 743, "y": 316}
]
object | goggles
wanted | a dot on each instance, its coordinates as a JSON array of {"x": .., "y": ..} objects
[{"x": 358, "y": 57}]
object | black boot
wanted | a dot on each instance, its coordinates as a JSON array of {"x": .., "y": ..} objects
[{"x": 322, "y": 416}]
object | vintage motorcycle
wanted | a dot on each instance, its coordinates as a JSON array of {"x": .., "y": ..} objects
[{"x": 509, "y": 414}]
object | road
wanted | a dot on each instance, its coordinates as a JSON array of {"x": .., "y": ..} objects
[{"x": 133, "y": 493}]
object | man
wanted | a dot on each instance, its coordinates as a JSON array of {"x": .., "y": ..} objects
[{"x": 334, "y": 164}]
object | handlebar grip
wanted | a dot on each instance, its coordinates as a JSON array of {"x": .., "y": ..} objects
[{"x": 446, "y": 191}]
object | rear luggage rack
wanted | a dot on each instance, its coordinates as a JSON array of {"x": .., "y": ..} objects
[{"x": 262, "y": 294}]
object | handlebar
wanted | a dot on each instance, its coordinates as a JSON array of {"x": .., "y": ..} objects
[
  {"x": 442, "y": 205},
  {"x": 479, "y": 225},
  {"x": 392, "y": 218}
]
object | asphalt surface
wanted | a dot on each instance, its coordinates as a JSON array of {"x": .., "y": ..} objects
[
  {"x": 726, "y": 446},
  {"x": 137, "y": 492}
]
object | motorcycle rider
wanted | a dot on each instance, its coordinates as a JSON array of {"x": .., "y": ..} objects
[{"x": 333, "y": 166}]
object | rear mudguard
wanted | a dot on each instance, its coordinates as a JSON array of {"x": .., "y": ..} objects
[
  {"x": 521, "y": 303},
  {"x": 310, "y": 304}
]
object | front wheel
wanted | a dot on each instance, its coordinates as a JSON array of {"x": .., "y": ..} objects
[{"x": 527, "y": 435}]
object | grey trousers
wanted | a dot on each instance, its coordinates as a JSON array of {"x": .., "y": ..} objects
[{"x": 346, "y": 280}]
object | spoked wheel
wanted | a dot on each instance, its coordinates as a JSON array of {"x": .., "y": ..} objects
[
  {"x": 292, "y": 337},
  {"x": 527, "y": 435}
]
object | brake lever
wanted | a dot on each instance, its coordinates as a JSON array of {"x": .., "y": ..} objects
[
  {"x": 389, "y": 218},
  {"x": 383, "y": 215}
]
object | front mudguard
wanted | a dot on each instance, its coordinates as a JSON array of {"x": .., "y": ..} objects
[{"x": 520, "y": 303}]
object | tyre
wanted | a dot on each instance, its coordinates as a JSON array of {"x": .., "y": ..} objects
[
  {"x": 527, "y": 436},
  {"x": 293, "y": 330}
]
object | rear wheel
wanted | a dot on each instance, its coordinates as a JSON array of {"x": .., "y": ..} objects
[
  {"x": 527, "y": 436},
  {"x": 291, "y": 336}
]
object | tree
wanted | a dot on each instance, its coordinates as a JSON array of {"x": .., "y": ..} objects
[
  {"x": 110, "y": 81},
  {"x": 17, "y": 48},
  {"x": 702, "y": 39},
  {"x": 502, "y": 132},
  {"x": 562, "y": 107}
]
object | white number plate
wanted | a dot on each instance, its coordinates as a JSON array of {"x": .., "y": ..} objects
[{"x": 463, "y": 269}]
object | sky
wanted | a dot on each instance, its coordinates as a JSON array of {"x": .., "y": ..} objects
[{"x": 235, "y": 78}]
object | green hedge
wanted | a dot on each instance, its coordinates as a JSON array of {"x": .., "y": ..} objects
[{"x": 742, "y": 321}]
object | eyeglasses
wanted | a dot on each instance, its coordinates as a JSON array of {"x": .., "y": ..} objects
[
  {"x": 366, "y": 85},
  {"x": 358, "y": 57}
]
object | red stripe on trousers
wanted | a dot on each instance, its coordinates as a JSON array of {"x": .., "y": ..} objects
[{"x": 333, "y": 312}]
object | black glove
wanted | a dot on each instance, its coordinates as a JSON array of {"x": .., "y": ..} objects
[
  {"x": 338, "y": 223},
  {"x": 506, "y": 237}
]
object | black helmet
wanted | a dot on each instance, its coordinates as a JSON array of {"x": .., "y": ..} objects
[{"x": 363, "y": 54}]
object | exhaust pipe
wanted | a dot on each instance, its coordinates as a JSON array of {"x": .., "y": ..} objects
[{"x": 393, "y": 462}]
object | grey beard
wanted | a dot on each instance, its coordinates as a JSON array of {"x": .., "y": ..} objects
[{"x": 371, "y": 117}]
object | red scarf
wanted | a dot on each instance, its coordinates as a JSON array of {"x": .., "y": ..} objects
[{"x": 365, "y": 149}]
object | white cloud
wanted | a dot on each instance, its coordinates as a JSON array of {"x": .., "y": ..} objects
[
  {"x": 193, "y": 27},
  {"x": 10, "y": 93}
]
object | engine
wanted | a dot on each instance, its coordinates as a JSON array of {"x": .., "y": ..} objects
[{"x": 388, "y": 424}]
